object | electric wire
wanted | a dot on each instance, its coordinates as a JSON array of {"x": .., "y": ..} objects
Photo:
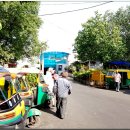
[
  {"x": 75, "y": 9},
  {"x": 69, "y": 3},
  {"x": 86, "y": 1}
]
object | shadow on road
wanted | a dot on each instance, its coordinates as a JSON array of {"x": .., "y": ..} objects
[
  {"x": 48, "y": 110},
  {"x": 126, "y": 91}
]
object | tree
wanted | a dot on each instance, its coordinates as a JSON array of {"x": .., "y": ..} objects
[
  {"x": 0, "y": 26},
  {"x": 122, "y": 19},
  {"x": 19, "y": 34},
  {"x": 99, "y": 40}
]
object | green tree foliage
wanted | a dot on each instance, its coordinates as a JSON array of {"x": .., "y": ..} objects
[
  {"x": 99, "y": 40},
  {"x": 122, "y": 18},
  {"x": 19, "y": 34},
  {"x": 0, "y": 26}
]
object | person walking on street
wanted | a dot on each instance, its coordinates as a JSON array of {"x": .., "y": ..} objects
[
  {"x": 62, "y": 89},
  {"x": 50, "y": 81},
  {"x": 55, "y": 77},
  {"x": 117, "y": 79}
]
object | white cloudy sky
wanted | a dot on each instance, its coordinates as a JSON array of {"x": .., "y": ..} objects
[{"x": 60, "y": 30}]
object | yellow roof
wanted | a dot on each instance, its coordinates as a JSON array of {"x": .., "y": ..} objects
[{"x": 120, "y": 70}]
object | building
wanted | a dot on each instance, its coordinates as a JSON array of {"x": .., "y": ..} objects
[{"x": 55, "y": 59}]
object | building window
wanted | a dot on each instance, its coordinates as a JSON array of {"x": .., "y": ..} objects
[{"x": 60, "y": 68}]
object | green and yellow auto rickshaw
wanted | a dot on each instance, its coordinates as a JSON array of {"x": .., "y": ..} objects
[
  {"x": 12, "y": 107},
  {"x": 32, "y": 83},
  {"x": 33, "y": 90},
  {"x": 125, "y": 78},
  {"x": 41, "y": 93},
  {"x": 33, "y": 115}
]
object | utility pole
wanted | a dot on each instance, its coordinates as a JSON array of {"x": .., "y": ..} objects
[{"x": 42, "y": 60}]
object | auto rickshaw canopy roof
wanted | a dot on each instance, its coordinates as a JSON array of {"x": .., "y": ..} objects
[
  {"x": 120, "y": 63},
  {"x": 3, "y": 70},
  {"x": 119, "y": 70},
  {"x": 24, "y": 70}
]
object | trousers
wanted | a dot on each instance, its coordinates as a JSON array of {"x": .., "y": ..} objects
[
  {"x": 61, "y": 104},
  {"x": 117, "y": 85}
]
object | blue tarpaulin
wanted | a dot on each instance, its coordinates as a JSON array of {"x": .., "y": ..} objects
[{"x": 120, "y": 63}]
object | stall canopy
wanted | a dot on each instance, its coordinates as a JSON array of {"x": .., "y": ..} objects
[{"x": 120, "y": 63}]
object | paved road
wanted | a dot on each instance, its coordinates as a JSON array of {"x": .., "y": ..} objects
[{"x": 90, "y": 107}]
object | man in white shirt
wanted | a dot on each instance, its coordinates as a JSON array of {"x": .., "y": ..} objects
[
  {"x": 117, "y": 79},
  {"x": 50, "y": 81}
]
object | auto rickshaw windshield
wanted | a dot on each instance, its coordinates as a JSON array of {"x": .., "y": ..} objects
[
  {"x": 110, "y": 73},
  {"x": 6, "y": 86},
  {"x": 20, "y": 85},
  {"x": 2, "y": 96}
]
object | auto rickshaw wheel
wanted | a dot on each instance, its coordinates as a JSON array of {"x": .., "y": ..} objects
[
  {"x": 33, "y": 121},
  {"x": 107, "y": 86},
  {"x": 35, "y": 96},
  {"x": 48, "y": 104}
]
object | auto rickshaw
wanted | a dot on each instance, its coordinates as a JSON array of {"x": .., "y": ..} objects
[
  {"x": 34, "y": 92},
  {"x": 12, "y": 107},
  {"x": 33, "y": 115},
  {"x": 30, "y": 82},
  {"x": 125, "y": 78}
]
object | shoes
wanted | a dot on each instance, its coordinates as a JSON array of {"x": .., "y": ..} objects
[
  {"x": 58, "y": 115},
  {"x": 62, "y": 117}
]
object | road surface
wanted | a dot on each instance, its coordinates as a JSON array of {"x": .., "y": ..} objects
[{"x": 90, "y": 107}]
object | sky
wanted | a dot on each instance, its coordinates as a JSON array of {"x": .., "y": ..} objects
[{"x": 60, "y": 30}]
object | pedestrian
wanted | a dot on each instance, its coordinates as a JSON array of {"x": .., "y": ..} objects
[
  {"x": 62, "y": 89},
  {"x": 55, "y": 77},
  {"x": 117, "y": 79},
  {"x": 50, "y": 81}
]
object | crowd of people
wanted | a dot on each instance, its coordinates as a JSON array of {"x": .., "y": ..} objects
[{"x": 60, "y": 87}]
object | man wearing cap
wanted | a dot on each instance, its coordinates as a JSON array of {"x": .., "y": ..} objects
[{"x": 117, "y": 79}]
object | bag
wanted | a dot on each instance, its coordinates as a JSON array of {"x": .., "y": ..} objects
[{"x": 69, "y": 92}]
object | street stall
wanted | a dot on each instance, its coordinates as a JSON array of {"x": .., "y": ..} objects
[{"x": 97, "y": 79}]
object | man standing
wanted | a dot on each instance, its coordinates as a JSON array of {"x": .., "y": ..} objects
[
  {"x": 50, "y": 81},
  {"x": 62, "y": 89},
  {"x": 117, "y": 79}
]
